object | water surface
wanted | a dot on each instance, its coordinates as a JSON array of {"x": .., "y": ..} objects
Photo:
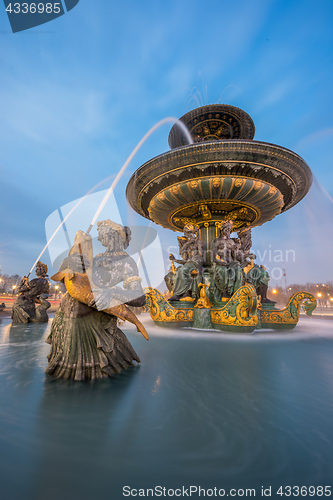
[{"x": 203, "y": 408}]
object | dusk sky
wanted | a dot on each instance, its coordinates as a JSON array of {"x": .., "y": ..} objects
[{"x": 77, "y": 95}]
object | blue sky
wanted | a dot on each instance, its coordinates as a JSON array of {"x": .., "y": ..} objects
[{"x": 78, "y": 93}]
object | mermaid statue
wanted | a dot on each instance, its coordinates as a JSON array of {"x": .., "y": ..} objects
[
  {"x": 31, "y": 304},
  {"x": 86, "y": 343}
]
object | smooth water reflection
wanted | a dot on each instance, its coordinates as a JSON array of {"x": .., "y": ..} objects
[{"x": 205, "y": 409}]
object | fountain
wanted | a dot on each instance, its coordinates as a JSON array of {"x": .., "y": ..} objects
[
  {"x": 224, "y": 179},
  {"x": 231, "y": 411}
]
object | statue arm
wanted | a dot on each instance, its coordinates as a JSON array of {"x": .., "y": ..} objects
[
  {"x": 132, "y": 284},
  {"x": 173, "y": 259},
  {"x": 24, "y": 285},
  {"x": 76, "y": 262},
  {"x": 201, "y": 253},
  {"x": 130, "y": 293}
]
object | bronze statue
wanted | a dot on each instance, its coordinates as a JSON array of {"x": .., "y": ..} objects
[
  {"x": 86, "y": 342},
  {"x": 254, "y": 274},
  {"x": 257, "y": 276},
  {"x": 187, "y": 276},
  {"x": 227, "y": 274},
  {"x": 32, "y": 292}
]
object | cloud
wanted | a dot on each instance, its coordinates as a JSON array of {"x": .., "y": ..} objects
[
  {"x": 313, "y": 139},
  {"x": 276, "y": 94},
  {"x": 47, "y": 112}
]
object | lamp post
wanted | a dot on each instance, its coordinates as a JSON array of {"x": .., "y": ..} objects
[{"x": 319, "y": 295}]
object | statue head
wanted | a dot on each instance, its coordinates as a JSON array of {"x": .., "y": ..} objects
[
  {"x": 246, "y": 239},
  {"x": 112, "y": 234},
  {"x": 41, "y": 270},
  {"x": 225, "y": 228},
  {"x": 190, "y": 229}
]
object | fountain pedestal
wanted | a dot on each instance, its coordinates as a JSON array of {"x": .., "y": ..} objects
[{"x": 202, "y": 319}]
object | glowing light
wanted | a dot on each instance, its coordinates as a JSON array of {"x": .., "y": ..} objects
[
  {"x": 274, "y": 291},
  {"x": 319, "y": 294}
]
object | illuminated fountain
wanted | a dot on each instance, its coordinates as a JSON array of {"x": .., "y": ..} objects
[
  {"x": 206, "y": 406},
  {"x": 224, "y": 177}
]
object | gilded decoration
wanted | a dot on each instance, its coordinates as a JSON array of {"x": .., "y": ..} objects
[
  {"x": 182, "y": 221},
  {"x": 239, "y": 183},
  {"x": 240, "y": 310},
  {"x": 207, "y": 198},
  {"x": 161, "y": 310},
  {"x": 213, "y": 123},
  {"x": 203, "y": 301},
  {"x": 290, "y": 314}
]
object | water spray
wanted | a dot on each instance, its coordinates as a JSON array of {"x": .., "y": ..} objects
[
  {"x": 115, "y": 182},
  {"x": 131, "y": 156}
]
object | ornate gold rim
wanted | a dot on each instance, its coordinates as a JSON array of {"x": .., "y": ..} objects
[
  {"x": 212, "y": 175},
  {"x": 175, "y": 189},
  {"x": 229, "y": 202}
]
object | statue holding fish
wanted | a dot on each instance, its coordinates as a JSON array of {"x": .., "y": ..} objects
[{"x": 86, "y": 342}]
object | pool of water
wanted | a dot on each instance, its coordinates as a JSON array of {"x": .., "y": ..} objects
[{"x": 203, "y": 409}]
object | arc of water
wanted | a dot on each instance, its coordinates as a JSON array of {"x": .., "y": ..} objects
[
  {"x": 323, "y": 189},
  {"x": 65, "y": 218},
  {"x": 115, "y": 182},
  {"x": 129, "y": 159}
]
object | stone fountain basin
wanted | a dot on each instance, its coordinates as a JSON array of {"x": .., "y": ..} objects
[{"x": 225, "y": 175}]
